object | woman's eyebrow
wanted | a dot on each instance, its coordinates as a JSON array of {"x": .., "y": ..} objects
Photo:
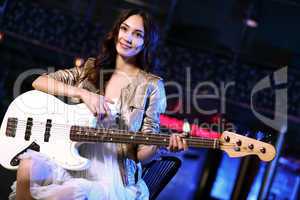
[{"x": 135, "y": 29}]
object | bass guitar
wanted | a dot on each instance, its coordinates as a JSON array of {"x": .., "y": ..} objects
[{"x": 41, "y": 122}]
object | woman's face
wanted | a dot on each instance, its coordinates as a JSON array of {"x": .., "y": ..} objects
[{"x": 131, "y": 37}]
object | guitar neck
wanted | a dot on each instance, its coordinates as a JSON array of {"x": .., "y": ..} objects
[{"x": 87, "y": 134}]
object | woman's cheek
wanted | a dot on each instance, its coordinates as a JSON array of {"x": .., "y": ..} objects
[{"x": 139, "y": 46}]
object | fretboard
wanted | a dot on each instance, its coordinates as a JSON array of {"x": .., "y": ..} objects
[{"x": 88, "y": 134}]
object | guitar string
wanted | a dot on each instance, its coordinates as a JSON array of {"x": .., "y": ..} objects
[
  {"x": 137, "y": 137},
  {"x": 24, "y": 123},
  {"x": 68, "y": 127},
  {"x": 65, "y": 127},
  {"x": 136, "y": 140},
  {"x": 161, "y": 143},
  {"x": 42, "y": 129},
  {"x": 208, "y": 143},
  {"x": 80, "y": 128}
]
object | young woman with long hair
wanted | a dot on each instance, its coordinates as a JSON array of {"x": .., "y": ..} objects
[{"x": 119, "y": 89}]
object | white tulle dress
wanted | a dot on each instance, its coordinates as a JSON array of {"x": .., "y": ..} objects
[{"x": 102, "y": 181}]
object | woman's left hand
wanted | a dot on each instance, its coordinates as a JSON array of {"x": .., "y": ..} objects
[{"x": 177, "y": 143}]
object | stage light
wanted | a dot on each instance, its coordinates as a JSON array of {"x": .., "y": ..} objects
[
  {"x": 79, "y": 62},
  {"x": 253, "y": 14},
  {"x": 251, "y": 23}
]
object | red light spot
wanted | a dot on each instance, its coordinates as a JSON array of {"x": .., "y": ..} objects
[
  {"x": 177, "y": 125},
  {"x": 1, "y": 36}
]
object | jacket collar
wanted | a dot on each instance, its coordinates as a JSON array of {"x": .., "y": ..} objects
[{"x": 129, "y": 91}]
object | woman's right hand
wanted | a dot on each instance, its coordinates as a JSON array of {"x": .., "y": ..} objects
[{"x": 96, "y": 103}]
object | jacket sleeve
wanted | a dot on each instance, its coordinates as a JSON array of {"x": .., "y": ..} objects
[
  {"x": 156, "y": 106},
  {"x": 71, "y": 76},
  {"x": 67, "y": 76}
]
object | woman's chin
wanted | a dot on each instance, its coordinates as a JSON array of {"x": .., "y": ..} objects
[{"x": 125, "y": 55}]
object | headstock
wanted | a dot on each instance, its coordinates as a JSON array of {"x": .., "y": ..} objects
[{"x": 238, "y": 146}]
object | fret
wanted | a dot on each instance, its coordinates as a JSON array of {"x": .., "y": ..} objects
[{"x": 88, "y": 134}]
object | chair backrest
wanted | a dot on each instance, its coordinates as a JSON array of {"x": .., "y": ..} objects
[{"x": 158, "y": 173}]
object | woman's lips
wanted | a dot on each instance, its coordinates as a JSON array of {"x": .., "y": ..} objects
[{"x": 125, "y": 46}]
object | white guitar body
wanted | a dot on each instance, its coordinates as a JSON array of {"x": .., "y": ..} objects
[{"x": 42, "y": 108}]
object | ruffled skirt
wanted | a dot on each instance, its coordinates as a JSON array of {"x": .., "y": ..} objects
[{"x": 102, "y": 181}]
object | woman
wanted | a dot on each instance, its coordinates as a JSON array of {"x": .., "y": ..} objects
[{"x": 117, "y": 89}]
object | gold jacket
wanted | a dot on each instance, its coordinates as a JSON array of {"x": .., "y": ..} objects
[{"x": 141, "y": 101}]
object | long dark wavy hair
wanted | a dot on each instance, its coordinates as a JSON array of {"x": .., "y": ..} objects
[{"x": 146, "y": 59}]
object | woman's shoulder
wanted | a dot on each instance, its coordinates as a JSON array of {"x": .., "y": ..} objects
[
  {"x": 151, "y": 77},
  {"x": 153, "y": 81}
]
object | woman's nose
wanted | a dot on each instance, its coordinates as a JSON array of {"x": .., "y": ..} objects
[{"x": 128, "y": 37}]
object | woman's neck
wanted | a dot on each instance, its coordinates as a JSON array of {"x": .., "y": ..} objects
[{"x": 126, "y": 66}]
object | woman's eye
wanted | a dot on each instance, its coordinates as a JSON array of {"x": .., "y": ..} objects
[
  {"x": 123, "y": 28},
  {"x": 139, "y": 35}
]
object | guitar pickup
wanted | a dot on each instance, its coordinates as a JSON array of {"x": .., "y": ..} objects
[
  {"x": 11, "y": 127},
  {"x": 28, "y": 128},
  {"x": 47, "y": 130}
]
